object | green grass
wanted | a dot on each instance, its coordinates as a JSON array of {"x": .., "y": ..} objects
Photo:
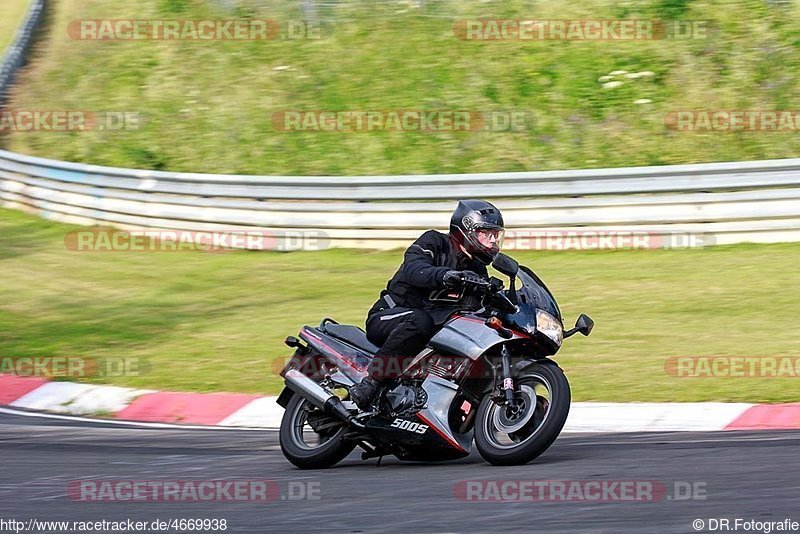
[
  {"x": 11, "y": 15},
  {"x": 214, "y": 322},
  {"x": 206, "y": 106}
]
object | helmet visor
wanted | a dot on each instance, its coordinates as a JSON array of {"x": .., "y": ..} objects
[{"x": 490, "y": 238}]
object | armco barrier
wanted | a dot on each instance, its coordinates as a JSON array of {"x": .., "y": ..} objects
[
  {"x": 14, "y": 56},
  {"x": 732, "y": 202}
]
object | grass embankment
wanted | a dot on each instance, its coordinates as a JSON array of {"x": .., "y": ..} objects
[
  {"x": 207, "y": 106},
  {"x": 212, "y": 322},
  {"x": 11, "y": 15}
]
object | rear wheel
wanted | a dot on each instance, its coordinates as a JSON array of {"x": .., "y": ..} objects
[
  {"x": 514, "y": 436},
  {"x": 310, "y": 438}
]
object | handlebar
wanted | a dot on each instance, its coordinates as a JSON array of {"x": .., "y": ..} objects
[
  {"x": 493, "y": 284},
  {"x": 492, "y": 288}
]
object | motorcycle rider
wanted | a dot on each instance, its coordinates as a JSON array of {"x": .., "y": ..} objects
[{"x": 422, "y": 293}]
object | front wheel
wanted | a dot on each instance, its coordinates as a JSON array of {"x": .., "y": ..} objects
[
  {"x": 310, "y": 438},
  {"x": 515, "y": 436}
]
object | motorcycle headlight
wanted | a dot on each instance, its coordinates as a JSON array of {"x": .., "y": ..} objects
[{"x": 549, "y": 326}]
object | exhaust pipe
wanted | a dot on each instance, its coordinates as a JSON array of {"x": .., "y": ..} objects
[{"x": 318, "y": 396}]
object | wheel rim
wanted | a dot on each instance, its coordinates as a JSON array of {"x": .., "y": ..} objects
[
  {"x": 303, "y": 434},
  {"x": 508, "y": 429}
]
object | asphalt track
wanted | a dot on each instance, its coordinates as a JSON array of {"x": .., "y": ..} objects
[{"x": 746, "y": 475}]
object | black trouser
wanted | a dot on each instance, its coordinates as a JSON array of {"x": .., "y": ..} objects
[{"x": 401, "y": 333}]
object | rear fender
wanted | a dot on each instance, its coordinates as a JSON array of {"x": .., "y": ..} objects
[{"x": 285, "y": 397}]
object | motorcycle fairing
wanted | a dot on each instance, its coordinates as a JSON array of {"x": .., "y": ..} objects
[
  {"x": 441, "y": 393},
  {"x": 439, "y": 441},
  {"x": 468, "y": 336}
]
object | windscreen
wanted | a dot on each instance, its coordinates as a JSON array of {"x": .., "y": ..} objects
[
  {"x": 534, "y": 291},
  {"x": 532, "y": 294}
]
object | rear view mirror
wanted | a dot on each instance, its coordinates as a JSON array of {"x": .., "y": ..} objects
[
  {"x": 584, "y": 325},
  {"x": 506, "y": 265}
]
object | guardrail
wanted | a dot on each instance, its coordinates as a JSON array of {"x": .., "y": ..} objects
[
  {"x": 14, "y": 57},
  {"x": 724, "y": 202}
]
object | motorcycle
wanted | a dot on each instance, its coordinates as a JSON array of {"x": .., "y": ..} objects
[{"x": 484, "y": 377}]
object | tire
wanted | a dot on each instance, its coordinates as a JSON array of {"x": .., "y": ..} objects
[
  {"x": 326, "y": 454},
  {"x": 542, "y": 428}
]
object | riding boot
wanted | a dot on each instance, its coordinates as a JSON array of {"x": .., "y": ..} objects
[{"x": 364, "y": 392}]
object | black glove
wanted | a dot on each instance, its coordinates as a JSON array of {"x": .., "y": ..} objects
[
  {"x": 451, "y": 278},
  {"x": 454, "y": 278}
]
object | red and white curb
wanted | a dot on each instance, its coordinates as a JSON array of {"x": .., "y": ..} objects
[{"x": 256, "y": 411}]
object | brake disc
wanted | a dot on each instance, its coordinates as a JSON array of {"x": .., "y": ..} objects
[{"x": 508, "y": 420}]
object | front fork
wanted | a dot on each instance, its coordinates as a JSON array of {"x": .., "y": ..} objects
[{"x": 508, "y": 380}]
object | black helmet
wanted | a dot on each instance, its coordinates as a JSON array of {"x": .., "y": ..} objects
[{"x": 478, "y": 226}]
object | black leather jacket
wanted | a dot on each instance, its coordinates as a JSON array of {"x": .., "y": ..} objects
[{"x": 420, "y": 276}]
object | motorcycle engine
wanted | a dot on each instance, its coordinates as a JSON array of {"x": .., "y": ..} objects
[{"x": 403, "y": 400}]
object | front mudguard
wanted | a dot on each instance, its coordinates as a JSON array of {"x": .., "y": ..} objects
[
  {"x": 518, "y": 369},
  {"x": 521, "y": 366}
]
